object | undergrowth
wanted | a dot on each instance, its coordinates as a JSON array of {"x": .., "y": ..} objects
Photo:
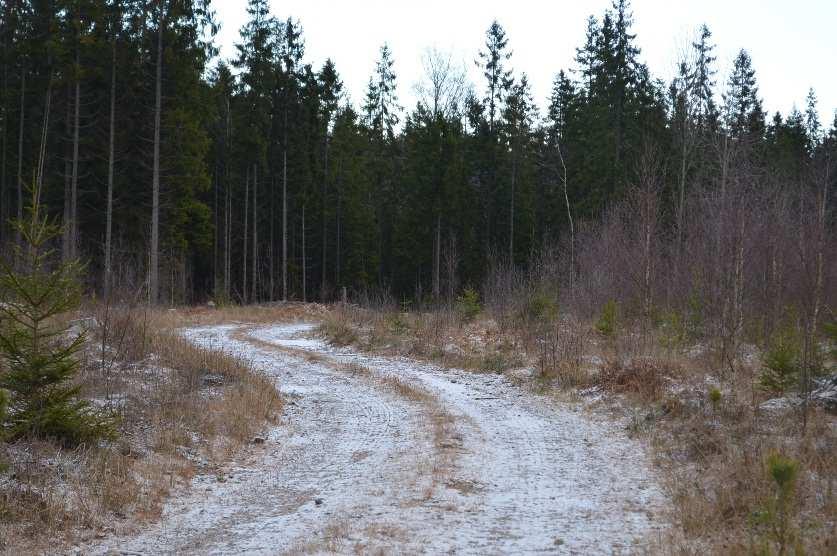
[
  {"x": 181, "y": 410},
  {"x": 713, "y": 442}
]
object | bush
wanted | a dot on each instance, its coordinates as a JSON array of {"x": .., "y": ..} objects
[
  {"x": 782, "y": 362},
  {"x": 674, "y": 330},
  {"x": 39, "y": 354},
  {"x": 338, "y": 332},
  {"x": 540, "y": 306},
  {"x": 468, "y": 305},
  {"x": 715, "y": 397},
  {"x": 398, "y": 324},
  {"x": 776, "y": 518},
  {"x": 607, "y": 325}
]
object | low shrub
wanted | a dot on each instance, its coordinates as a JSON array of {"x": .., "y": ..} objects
[
  {"x": 540, "y": 306},
  {"x": 468, "y": 305},
  {"x": 776, "y": 521},
  {"x": 607, "y": 325},
  {"x": 782, "y": 362}
]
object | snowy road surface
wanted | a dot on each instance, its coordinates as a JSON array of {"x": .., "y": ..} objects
[{"x": 390, "y": 455}]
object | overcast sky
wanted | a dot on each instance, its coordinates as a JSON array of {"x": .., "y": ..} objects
[{"x": 793, "y": 43}]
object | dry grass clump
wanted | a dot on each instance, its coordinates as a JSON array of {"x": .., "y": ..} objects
[
  {"x": 643, "y": 377},
  {"x": 338, "y": 331},
  {"x": 205, "y": 315},
  {"x": 181, "y": 409},
  {"x": 716, "y": 467},
  {"x": 561, "y": 349},
  {"x": 440, "y": 336}
]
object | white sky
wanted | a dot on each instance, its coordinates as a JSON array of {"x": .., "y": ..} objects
[{"x": 792, "y": 42}]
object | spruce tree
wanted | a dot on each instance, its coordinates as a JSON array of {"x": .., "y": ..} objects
[
  {"x": 812, "y": 121},
  {"x": 498, "y": 78},
  {"x": 703, "y": 80},
  {"x": 38, "y": 352},
  {"x": 743, "y": 114}
]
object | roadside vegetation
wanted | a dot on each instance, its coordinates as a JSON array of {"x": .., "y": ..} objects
[
  {"x": 719, "y": 354},
  {"x": 106, "y": 408}
]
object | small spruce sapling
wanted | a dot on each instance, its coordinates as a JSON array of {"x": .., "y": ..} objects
[
  {"x": 607, "y": 324},
  {"x": 468, "y": 305},
  {"x": 782, "y": 362},
  {"x": 775, "y": 519},
  {"x": 715, "y": 399},
  {"x": 37, "y": 352}
]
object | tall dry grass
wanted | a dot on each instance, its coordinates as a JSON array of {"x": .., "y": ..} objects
[
  {"x": 181, "y": 410},
  {"x": 659, "y": 372}
]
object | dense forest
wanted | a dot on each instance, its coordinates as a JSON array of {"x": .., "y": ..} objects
[{"x": 180, "y": 178}]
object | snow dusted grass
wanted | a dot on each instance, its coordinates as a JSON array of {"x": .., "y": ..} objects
[
  {"x": 712, "y": 457},
  {"x": 294, "y": 340},
  {"x": 181, "y": 409}
]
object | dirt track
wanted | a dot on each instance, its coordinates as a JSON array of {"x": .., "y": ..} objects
[{"x": 399, "y": 456}]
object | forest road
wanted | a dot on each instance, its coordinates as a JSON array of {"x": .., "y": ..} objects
[{"x": 390, "y": 455}]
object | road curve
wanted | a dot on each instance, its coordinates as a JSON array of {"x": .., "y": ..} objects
[{"x": 391, "y": 455}]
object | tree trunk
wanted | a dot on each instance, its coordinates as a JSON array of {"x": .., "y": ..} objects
[
  {"x": 216, "y": 233},
  {"x": 111, "y": 142},
  {"x": 304, "y": 265},
  {"x": 569, "y": 218},
  {"x": 325, "y": 226},
  {"x": 681, "y": 200},
  {"x": 3, "y": 185},
  {"x": 227, "y": 205},
  {"x": 337, "y": 251},
  {"x": 39, "y": 180},
  {"x": 74, "y": 181},
  {"x": 285, "y": 224},
  {"x": 68, "y": 176},
  {"x": 20, "y": 149},
  {"x": 437, "y": 256},
  {"x": 272, "y": 243},
  {"x": 810, "y": 343},
  {"x": 153, "y": 282},
  {"x": 246, "y": 232},
  {"x": 255, "y": 264},
  {"x": 228, "y": 238},
  {"x": 511, "y": 217}
]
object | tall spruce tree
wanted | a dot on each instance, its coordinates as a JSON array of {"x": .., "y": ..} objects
[
  {"x": 743, "y": 114},
  {"x": 498, "y": 79}
]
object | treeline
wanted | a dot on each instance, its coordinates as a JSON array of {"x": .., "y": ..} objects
[{"x": 256, "y": 179}]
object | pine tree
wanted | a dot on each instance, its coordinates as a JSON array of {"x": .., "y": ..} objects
[{"x": 40, "y": 363}]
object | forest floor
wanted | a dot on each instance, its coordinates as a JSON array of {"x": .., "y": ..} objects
[{"x": 389, "y": 454}]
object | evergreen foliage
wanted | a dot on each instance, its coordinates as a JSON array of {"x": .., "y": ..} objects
[
  {"x": 38, "y": 353},
  {"x": 782, "y": 362},
  {"x": 371, "y": 195},
  {"x": 608, "y": 323}
]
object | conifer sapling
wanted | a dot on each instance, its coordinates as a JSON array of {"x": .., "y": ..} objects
[{"x": 37, "y": 352}]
